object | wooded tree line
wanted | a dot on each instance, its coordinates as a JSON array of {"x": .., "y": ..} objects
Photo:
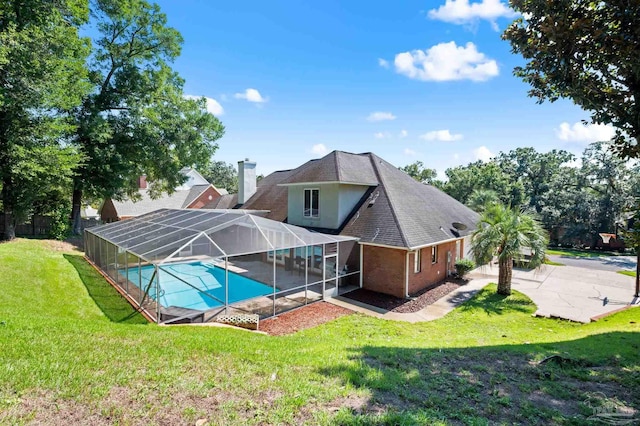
[
  {"x": 84, "y": 116},
  {"x": 574, "y": 198}
]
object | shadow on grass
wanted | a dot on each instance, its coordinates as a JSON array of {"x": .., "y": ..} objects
[
  {"x": 491, "y": 385},
  {"x": 111, "y": 303}
]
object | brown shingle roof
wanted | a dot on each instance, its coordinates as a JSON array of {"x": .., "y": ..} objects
[
  {"x": 399, "y": 211},
  {"x": 337, "y": 166},
  {"x": 270, "y": 196}
]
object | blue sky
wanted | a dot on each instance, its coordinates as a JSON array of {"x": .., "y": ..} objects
[{"x": 410, "y": 80}]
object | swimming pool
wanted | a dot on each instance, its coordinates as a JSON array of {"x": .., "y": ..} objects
[{"x": 205, "y": 277}]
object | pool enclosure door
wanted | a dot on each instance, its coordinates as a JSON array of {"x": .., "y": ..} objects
[{"x": 330, "y": 275}]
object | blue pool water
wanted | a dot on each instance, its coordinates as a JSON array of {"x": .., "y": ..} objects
[{"x": 207, "y": 278}]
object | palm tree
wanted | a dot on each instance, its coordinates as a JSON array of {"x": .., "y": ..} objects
[{"x": 507, "y": 233}]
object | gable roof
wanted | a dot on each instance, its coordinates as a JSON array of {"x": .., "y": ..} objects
[
  {"x": 179, "y": 199},
  {"x": 399, "y": 211}
]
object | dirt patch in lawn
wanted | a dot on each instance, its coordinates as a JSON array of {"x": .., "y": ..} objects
[
  {"x": 418, "y": 301},
  {"x": 73, "y": 244},
  {"x": 303, "y": 318}
]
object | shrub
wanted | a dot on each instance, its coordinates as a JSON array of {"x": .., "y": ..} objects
[
  {"x": 463, "y": 266},
  {"x": 59, "y": 229}
]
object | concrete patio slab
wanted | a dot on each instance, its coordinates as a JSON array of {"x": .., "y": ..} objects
[
  {"x": 567, "y": 292},
  {"x": 570, "y": 292}
]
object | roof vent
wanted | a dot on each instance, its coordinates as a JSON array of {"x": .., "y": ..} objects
[
  {"x": 459, "y": 226},
  {"x": 373, "y": 200}
]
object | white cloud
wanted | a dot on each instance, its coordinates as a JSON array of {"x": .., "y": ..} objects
[
  {"x": 381, "y": 135},
  {"x": 251, "y": 95},
  {"x": 213, "y": 106},
  {"x": 483, "y": 154},
  {"x": 579, "y": 132},
  {"x": 383, "y": 63},
  {"x": 403, "y": 133},
  {"x": 409, "y": 152},
  {"x": 319, "y": 149},
  {"x": 464, "y": 12},
  {"x": 446, "y": 62},
  {"x": 380, "y": 116},
  {"x": 441, "y": 135}
]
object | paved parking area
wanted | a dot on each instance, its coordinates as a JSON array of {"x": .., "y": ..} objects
[{"x": 570, "y": 292}]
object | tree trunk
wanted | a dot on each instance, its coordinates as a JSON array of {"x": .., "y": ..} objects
[
  {"x": 9, "y": 226},
  {"x": 505, "y": 271},
  {"x": 76, "y": 206}
]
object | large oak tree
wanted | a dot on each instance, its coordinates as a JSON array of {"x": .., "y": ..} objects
[
  {"x": 136, "y": 119},
  {"x": 587, "y": 51}
]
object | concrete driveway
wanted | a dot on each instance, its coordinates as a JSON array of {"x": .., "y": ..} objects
[
  {"x": 570, "y": 292},
  {"x": 604, "y": 263}
]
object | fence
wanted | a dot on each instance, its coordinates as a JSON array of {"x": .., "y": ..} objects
[{"x": 39, "y": 226}]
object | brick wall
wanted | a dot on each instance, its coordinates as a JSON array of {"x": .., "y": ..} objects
[
  {"x": 383, "y": 270},
  {"x": 430, "y": 273},
  {"x": 208, "y": 196}
]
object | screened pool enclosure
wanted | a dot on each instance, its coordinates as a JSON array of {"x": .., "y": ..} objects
[{"x": 193, "y": 265}]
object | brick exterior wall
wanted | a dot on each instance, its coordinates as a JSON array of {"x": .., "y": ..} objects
[
  {"x": 430, "y": 273},
  {"x": 203, "y": 199},
  {"x": 383, "y": 269}
]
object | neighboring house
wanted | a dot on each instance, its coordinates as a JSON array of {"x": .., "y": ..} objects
[
  {"x": 195, "y": 193},
  {"x": 410, "y": 234}
]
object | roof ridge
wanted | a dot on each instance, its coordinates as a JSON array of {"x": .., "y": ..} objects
[
  {"x": 372, "y": 158},
  {"x": 338, "y": 174}
]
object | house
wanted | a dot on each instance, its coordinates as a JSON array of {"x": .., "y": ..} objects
[
  {"x": 195, "y": 193},
  {"x": 410, "y": 234}
]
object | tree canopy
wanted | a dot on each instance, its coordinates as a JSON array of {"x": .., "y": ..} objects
[
  {"x": 136, "y": 119},
  {"x": 574, "y": 198},
  {"x": 422, "y": 174},
  {"x": 587, "y": 51},
  {"x": 222, "y": 175},
  {"x": 42, "y": 76}
]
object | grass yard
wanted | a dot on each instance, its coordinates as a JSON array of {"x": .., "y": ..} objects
[
  {"x": 580, "y": 253},
  {"x": 628, "y": 273},
  {"x": 74, "y": 352},
  {"x": 548, "y": 261}
]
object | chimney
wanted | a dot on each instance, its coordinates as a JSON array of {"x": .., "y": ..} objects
[
  {"x": 142, "y": 182},
  {"x": 246, "y": 180}
]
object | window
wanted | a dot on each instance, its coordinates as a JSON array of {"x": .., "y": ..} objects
[
  {"x": 417, "y": 260},
  {"x": 434, "y": 254},
  {"x": 311, "y": 197}
]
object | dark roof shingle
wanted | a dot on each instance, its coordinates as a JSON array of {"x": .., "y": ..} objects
[{"x": 399, "y": 211}]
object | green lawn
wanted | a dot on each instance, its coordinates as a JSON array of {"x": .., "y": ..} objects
[
  {"x": 580, "y": 253},
  {"x": 73, "y": 352},
  {"x": 629, "y": 273}
]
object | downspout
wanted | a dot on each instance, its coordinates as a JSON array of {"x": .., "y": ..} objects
[
  {"x": 406, "y": 276},
  {"x": 361, "y": 264}
]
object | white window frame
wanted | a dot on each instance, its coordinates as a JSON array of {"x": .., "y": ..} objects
[
  {"x": 434, "y": 254},
  {"x": 417, "y": 261},
  {"x": 308, "y": 213}
]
